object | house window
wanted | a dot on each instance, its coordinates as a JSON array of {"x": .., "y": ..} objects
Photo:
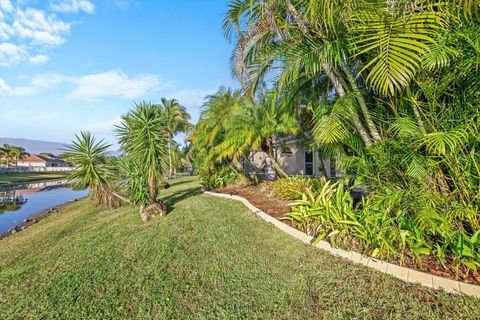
[
  {"x": 286, "y": 151},
  {"x": 308, "y": 163},
  {"x": 333, "y": 168}
]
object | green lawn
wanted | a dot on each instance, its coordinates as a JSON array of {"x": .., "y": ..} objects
[
  {"x": 210, "y": 258},
  {"x": 16, "y": 178}
]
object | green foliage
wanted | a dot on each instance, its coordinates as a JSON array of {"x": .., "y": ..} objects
[
  {"x": 89, "y": 263},
  {"x": 292, "y": 188},
  {"x": 217, "y": 179},
  {"x": 382, "y": 225},
  {"x": 135, "y": 183},
  {"x": 90, "y": 166},
  {"x": 145, "y": 135}
]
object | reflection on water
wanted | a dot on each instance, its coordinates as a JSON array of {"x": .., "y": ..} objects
[
  {"x": 22, "y": 201},
  {"x": 10, "y": 201}
]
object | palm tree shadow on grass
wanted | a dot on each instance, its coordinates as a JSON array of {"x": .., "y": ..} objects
[
  {"x": 172, "y": 200},
  {"x": 173, "y": 183}
]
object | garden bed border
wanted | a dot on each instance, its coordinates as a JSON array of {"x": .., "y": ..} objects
[{"x": 402, "y": 273}]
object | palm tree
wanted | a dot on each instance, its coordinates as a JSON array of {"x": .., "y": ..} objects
[
  {"x": 211, "y": 129},
  {"x": 256, "y": 127},
  {"x": 143, "y": 135},
  {"x": 177, "y": 120},
  {"x": 18, "y": 153},
  {"x": 6, "y": 150},
  {"x": 91, "y": 169}
]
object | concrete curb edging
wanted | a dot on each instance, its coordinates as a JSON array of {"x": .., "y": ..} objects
[{"x": 402, "y": 273}]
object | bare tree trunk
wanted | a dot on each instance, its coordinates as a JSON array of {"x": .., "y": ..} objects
[
  {"x": 252, "y": 167},
  {"x": 276, "y": 166},
  {"x": 155, "y": 207},
  {"x": 363, "y": 105},
  {"x": 170, "y": 162},
  {"x": 421, "y": 125},
  {"x": 341, "y": 92}
]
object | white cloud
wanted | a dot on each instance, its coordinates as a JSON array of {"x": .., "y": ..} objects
[
  {"x": 5, "y": 89},
  {"x": 34, "y": 30},
  {"x": 6, "y": 5},
  {"x": 116, "y": 84},
  {"x": 73, "y": 6},
  {"x": 92, "y": 86},
  {"x": 38, "y": 59},
  {"x": 40, "y": 28},
  {"x": 11, "y": 54}
]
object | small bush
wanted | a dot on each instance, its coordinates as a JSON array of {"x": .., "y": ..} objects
[
  {"x": 292, "y": 188},
  {"x": 218, "y": 179},
  {"x": 377, "y": 226}
]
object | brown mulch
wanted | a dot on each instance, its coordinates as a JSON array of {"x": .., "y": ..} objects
[
  {"x": 278, "y": 208},
  {"x": 272, "y": 206}
]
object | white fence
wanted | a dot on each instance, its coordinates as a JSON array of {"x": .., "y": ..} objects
[{"x": 34, "y": 169}]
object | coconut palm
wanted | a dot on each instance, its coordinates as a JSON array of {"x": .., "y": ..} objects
[
  {"x": 177, "y": 120},
  {"x": 212, "y": 126},
  {"x": 143, "y": 135},
  {"x": 256, "y": 127},
  {"x": 18, "y": 153},
  {"x": 6, "y": 151}
]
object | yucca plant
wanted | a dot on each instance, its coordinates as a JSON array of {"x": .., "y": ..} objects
[
  {"x": 143, "y": 136},
  {"x": 91, "y": 169}
]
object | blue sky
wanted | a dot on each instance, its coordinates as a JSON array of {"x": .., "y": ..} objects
[{"x": 71, "y": 65}]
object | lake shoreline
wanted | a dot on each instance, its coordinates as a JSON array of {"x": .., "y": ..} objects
[
  {"x": 37, "y": 217},
  {"x": 11, "y": 179}
]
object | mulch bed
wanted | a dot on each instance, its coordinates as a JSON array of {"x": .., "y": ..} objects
[
  {"x": 272, "y": 206},
  {"x": 278, "y": 208}
]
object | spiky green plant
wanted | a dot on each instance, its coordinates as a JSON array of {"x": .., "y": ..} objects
[{"x": 143, "y": 135}]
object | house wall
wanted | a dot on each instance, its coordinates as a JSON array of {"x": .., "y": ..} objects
[
  {"x": 31, "y": 164},
  {"x": 293, "y": 163}
]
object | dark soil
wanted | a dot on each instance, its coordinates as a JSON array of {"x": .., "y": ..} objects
[
  {"x": 272, "y": 206},
  {"x": 278, "y": 208}
]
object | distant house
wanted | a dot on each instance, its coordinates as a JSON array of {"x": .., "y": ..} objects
[
  {"x": 295, "y": 159},
  {"x": 43, "y": 160}
]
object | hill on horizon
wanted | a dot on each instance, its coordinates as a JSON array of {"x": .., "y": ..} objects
[
  {"x": 41, "y": 146},
  {"x": 35, "y": 146}
]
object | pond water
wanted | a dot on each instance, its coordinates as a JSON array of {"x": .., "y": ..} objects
[{"x": 22, "y": 201}]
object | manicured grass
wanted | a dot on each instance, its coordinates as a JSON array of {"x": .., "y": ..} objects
[
  {"x": 209, "y": 258},
  {"x": 16, "y": 178}
]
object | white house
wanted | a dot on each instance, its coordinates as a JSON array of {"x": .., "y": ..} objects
[
  {"x": 296, "y": 160},
  {"x": 42, "y": 161}
]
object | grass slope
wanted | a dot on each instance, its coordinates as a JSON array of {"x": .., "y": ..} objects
[
  {"x": 209, "y": 258},
  {"x": 18, "y": 178}
]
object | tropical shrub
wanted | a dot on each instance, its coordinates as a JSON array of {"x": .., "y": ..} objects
[
  {"x": 218, "y": 178},
  {"x": 380, "y": 227},
  {"x": 292, "y": 188},
  {"x": 145, "y": 138}
]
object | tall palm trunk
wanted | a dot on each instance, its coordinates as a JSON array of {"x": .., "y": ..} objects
[
  {"x": 361, "y": 101},
  {"x": 152, "y": 188},
  {"x": 155, "y": 207},
  {"x": 341, "y": 92},
  {"x": 340, "y": 89},
  {"x": 276, "y": 166},
  {"x": 170, "y": 161}
]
